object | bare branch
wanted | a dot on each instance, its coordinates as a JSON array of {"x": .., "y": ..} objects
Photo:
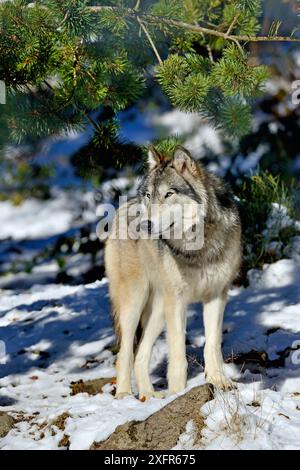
[
  {"x": 210, "y": 54},
  {"x": 150, "y": 41},
  {"x": 137, "y": 5},
  {"x": 233, "y": 23}
]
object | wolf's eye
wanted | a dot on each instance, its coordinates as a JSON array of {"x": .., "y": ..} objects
[
  {"x": 169, "y": 193},
  {"x": 148, "y": 195}
]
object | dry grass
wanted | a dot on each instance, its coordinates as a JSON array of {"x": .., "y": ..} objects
[{"x": 238, "y": 421}]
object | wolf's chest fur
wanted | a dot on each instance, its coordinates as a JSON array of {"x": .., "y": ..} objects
[{"x": 194, "y": 281}]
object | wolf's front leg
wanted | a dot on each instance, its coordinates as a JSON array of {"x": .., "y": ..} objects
[
  {"x": 152, "y": 330},
  {"x": 176, "y": 331},
  {"x": 213, "y": 320},
  {"x": 128, "y": 319}
]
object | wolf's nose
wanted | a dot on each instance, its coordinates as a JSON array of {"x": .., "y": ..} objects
[{"x": 147, "y": 226}]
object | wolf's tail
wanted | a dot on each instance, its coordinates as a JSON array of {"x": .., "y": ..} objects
[{"x": 117, "y": 329}]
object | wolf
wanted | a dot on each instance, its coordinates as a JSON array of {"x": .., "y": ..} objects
[{"x": 153, "y": 278}]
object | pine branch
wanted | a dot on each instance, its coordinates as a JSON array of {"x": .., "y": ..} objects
[
  {"x": 98, "y": 55},
  {"x": 196, "y": 28},
  {"x": 212, "y": 32},
  {"x": 85, "y": 113}
]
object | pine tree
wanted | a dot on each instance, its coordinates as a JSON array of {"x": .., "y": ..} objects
[{"x": 62, "y": 61}]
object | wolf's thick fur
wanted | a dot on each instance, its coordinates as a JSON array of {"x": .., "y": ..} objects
[{"x": 151, "y": 282}]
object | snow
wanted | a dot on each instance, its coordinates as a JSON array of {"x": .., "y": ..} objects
[
  {"x": 73, "y": 326},
  {"x": 198, "y": 135},
  {"x": 247, "y": 164},
  {"x": 279, "y": 218},
  {"x": 25, "y": 220},
  {"x": 35, "y": 217},
  {"x": 234, "y": 423},
  {"x": 30, "y": 231}
]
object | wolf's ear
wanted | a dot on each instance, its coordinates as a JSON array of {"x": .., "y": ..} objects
[
  {"x": 154, "y": 157},
  {"x": 182, "y": 160}
]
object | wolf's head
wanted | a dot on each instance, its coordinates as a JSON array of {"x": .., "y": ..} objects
[{"x": 172, "y": 194}]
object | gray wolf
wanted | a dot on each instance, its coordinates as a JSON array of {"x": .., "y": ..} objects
[{"x": 153, "y": 279}]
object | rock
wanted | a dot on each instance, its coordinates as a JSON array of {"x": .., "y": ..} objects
[
  {"x": 92, "y": 387},
  {"x": 6, "y": 423},
  {"x": 162, "y": 429}
]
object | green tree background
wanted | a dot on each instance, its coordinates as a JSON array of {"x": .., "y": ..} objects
[{"x": 63, "y": 60}]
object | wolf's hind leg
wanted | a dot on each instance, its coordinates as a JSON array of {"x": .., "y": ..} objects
[
  {"x": 213, "y": 311},
  {"x": 152, "y": 330},
  {"x": 131, "y": 306}
]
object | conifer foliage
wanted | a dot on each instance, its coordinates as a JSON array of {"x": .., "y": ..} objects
[{"x": 63, "y": 60}]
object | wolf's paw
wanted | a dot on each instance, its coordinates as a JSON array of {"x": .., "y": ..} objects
[
  {"x": 220, "y": 381},
  {"x": 143, "y": 396},
  {"x": 120, "y": 395}
]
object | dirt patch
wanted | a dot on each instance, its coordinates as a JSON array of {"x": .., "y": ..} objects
[
  {"x": 250, "y": 360},
  {"x": 57, "y": 423},
  {"x": 92, "y": 387},
  {"x": 20, "y": 416},
  {"x": 7, "y": 422},
  {"x": 60, "y": 421},
  {"x": 258, "y": 361},
  {"x": 65, "y": 441},
  {"x": 162, "y": 429}
]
